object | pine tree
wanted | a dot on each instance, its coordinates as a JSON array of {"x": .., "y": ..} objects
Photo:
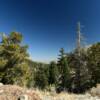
[
  {"x": 53, "y": 73},
  {"x": 94, "y": 63},
  {"x": 79, "y": 63},
  {"x": 13, "y": 56},
  {"x": 64, "y": 78},
  {"x": 41, "y": 77}
]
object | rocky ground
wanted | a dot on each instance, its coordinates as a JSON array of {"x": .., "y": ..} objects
[{"x": 13, "y": 92}]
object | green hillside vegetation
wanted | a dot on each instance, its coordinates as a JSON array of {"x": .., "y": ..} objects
[{"x": 71, "y": 73}]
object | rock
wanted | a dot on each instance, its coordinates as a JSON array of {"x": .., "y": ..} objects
[
  {"x": 23, "y": 97},
  {"x": 32, "y": 95},
  {"x": 1, "y": 91},
  {"x": 1, "y": 84},
  {"x": 95, "y": 91},
  {"x": 98, "y": 86}
]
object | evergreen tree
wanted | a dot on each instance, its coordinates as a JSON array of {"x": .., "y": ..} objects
[
  {"x": 64, "y": 78},
  {"x": 41, "y": 77},
  {"x": 94, "y": 63},
  {"x": 80, "y": 78},
  {"x": 53, "y": 73},
  {"x": 13, "y": 67}
]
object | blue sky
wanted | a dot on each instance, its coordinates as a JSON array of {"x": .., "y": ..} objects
[{"x": 48, "y": 25}]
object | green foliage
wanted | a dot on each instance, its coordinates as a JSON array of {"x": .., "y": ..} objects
[
  {"x": 15, "y": 37},
  {"x": 64, "y": 70},
  {"x": 33, "y": 68},
  {"x": 53, "y": 73},
  {"x": 75, "y": 72},
  {"x": 94, "y": 63},
  {"x": 80, "y": 78},
  {"x": 13, "y": 66},
  {"x": 41, "y": 77}
]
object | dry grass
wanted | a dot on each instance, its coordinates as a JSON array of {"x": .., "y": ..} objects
[
  {"x": 54, "y": 96},
  {"x": 65, "y": 96},
  {"x": 12, "y": 92}
]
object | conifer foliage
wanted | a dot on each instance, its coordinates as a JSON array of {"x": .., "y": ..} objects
[
  {"x": 53, "y": 73},
  {"x": 13, "y": 66},
  {"x": 64, "y": 70}
]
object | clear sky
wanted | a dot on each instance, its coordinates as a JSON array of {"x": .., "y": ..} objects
[{"x": 48, "y": 25}]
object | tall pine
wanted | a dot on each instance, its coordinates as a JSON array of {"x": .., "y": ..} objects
[{"x": 64, "y": 77}]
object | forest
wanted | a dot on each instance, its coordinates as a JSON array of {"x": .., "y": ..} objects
[{"x": 73, "y": 72}]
